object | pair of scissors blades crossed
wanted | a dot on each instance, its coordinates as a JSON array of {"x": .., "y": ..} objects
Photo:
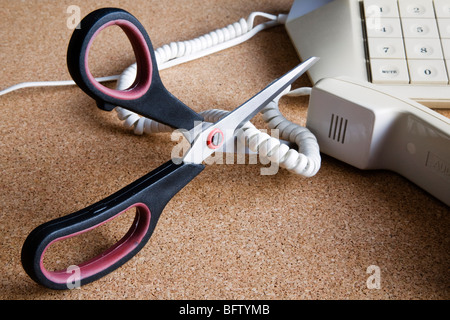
[{"x": 149, "y": 194}]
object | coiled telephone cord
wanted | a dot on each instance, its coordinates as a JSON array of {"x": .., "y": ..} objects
[{"x": 305, "y": 161}]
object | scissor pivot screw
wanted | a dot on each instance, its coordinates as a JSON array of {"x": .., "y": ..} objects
[{"x": 215, "y": 139}]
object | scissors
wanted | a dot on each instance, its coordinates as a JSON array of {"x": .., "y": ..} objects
[{"x": 149, "y": 194}]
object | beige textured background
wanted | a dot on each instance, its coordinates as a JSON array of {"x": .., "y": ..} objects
[{"x": 231, "y": 233}]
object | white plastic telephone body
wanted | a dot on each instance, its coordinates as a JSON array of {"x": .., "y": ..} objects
[{"x": 365, "y": 127}]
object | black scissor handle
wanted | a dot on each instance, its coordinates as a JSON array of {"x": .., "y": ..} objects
[
  {"x": 147, "y": 96},
  {"x": 149, "y": 195}
]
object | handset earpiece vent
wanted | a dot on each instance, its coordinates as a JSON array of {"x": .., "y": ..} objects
[{"x": 338, "y": 128}]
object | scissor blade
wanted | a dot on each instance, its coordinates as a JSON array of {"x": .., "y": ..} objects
[{"x": 235, "y": 119}]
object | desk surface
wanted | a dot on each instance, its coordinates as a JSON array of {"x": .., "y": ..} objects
[{"x": 231, "y": 233}]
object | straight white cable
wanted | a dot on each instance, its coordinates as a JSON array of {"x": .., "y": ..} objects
[
  {"x": 35, "y": 84},
  {"x": 193, "y": 49}
]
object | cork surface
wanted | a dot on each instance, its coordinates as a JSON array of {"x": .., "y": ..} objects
[{"x": 232, "y": 233}]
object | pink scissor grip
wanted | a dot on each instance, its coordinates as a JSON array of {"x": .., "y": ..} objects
[
  {"x": 143, "y": 60},
  {"x": 147, "y": 96},
  {"x": 109, "y": 257}
]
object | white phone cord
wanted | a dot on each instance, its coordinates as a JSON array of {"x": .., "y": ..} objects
[
  {"x": 180, "y": 52},
  {"x": 183, "y": 51},
  {"x": 305, "y": 161}
]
